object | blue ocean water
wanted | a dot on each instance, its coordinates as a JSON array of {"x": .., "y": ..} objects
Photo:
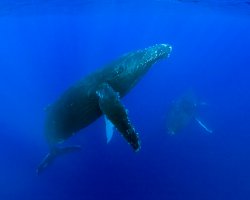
[{"x": 48, "y": 45}]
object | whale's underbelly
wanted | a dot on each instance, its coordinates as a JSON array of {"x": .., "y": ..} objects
[{"x": 75, "y": 110}]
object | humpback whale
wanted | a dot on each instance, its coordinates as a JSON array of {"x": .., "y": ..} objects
[
  {"x": 183, "y": 111},
  {"x": 99, "y": 94}
]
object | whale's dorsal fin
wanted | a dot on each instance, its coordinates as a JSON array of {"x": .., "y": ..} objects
[
  {"x": 111, "y": 106},
  {"x": 109, "y": 129}
]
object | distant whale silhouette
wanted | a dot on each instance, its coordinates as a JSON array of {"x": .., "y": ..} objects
[
  {"x": 182, "y": 112},
  {"x": 99, "y": 94}
]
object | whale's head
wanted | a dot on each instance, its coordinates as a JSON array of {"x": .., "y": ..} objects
[
  {"x": 143, "y": 59},
  {"x": 154, "y": 53},
  {"x": 138, "y": 62},
  {"x": 132, "y": 66}
]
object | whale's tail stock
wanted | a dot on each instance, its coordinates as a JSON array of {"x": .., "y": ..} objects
[{"x": 55, "y": 152}]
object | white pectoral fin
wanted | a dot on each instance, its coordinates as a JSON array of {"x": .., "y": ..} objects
[
  {"x": 203, "y": 126},
  {"x": 109, "y": 129}
]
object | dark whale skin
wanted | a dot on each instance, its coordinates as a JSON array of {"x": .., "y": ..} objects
[{"x": 78, "y": 106}]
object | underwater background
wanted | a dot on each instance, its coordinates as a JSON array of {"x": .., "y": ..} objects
[{"x": 45, "y": 46}]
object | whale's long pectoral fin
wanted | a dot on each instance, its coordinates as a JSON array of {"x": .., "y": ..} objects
[
  {"x": 50, "y": 157},
  {"x": 203, "y": 125},
  {"x": 111, "y": 106}
]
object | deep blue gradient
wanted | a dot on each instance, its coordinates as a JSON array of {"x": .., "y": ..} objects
[{"x": 44, "y": 50}]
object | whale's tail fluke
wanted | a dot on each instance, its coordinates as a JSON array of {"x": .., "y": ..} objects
[{"x": 50, "y": 157}]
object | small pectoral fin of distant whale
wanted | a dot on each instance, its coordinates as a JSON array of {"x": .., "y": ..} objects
[
  {"x": 109, "y": 129},
  {"x": 111, "y": 106},
  {"x": 50, "y": 157},
  {"x": 203, "y": 125}
]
